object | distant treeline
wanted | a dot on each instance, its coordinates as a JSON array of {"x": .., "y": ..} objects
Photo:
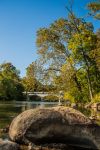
[{"x": 12, "y": 85}]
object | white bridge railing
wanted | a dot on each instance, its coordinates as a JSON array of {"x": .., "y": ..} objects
[
  {"x": 42, "y": 94},
  {"x": 37, "y": 92}
]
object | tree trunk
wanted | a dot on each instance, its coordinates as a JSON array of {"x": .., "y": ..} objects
[
  {"x": 77, "y": 83},
  {"x": 88, "y": 75},
  {"x": 89, "y": 85}
]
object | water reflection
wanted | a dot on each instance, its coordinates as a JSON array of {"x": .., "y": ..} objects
[{"x": 8, "y": 110}]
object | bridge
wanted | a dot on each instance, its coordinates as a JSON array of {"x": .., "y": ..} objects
[{"x": 42, "y": 94}]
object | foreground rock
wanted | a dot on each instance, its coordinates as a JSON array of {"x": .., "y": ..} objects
[
  {"x": 8, "y": 145},
  {"x": 52, "y": 146},
  {"x": 54, "y": 125}
]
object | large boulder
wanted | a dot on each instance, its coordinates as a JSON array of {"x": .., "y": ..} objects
[
  {"x": 49, "y": 125},
  {"x": 8, "y": 145}
]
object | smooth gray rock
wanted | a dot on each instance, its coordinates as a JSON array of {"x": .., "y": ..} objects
[
  {"x": 8, "y": 145},
  {"x": 49, "y": 125}
]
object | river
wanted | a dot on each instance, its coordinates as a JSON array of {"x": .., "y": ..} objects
[{"x": 10, "y": 109}]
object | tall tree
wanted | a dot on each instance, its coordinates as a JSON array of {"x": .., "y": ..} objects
[
  {"x": 30, "y": 82},
  {"x": 10, "y": 82},
  {"x": 96, "y": 51},
  {"x": 69, "y": 41}
]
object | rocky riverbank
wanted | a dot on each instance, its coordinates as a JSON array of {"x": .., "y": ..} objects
[{"x": 56, "y": 128}]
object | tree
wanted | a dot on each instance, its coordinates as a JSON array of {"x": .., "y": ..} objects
[
  {"x": 68, "y": 43},
  {"x": 94, "y": 8},
  {"x": 10, "y": 82},
  {"x": 52, "y": 46},
  {"x": 96, "y": 51},
  {"x": 30, "y": 82},
  {"x": 81, "y": 44}
]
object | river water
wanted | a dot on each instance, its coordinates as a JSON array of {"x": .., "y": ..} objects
[{"x": 10, "y": 109}]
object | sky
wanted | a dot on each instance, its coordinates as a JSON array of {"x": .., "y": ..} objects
[{"x": 19, "y": 22}]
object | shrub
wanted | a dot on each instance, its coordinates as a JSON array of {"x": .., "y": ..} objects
[
  {"x": 51, "y": 98},
  {"x": 96, "y": 98},
  {"x": 69, "y": 97}
]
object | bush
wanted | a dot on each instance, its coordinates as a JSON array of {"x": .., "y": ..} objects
[
  {"x": 69, "y": 97},
  {"x": 96, "y": 98},
  {"x": 51, "y": 98}
]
